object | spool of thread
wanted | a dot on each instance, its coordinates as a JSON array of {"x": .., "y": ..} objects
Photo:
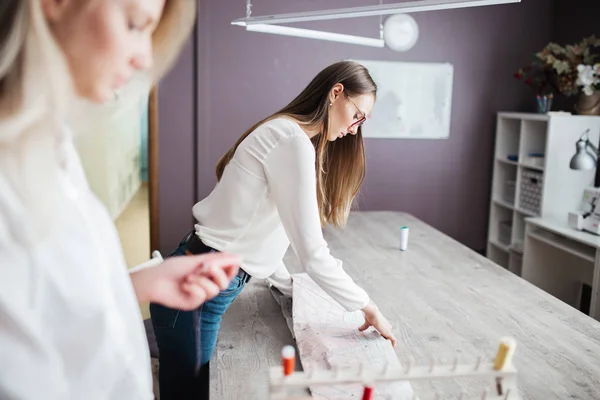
[
  {"x": 288, "y": 360},
  {"x": 506, "y": 350},
  {"x": 367, "y": 393},
  {"x": 404, "y": 238}
]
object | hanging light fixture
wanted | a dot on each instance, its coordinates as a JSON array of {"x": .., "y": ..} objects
[
  {"x": 268, "y": 23},
  {"x": 312, "y": 34},
  {"x": 368, "y": 11},
  {"x": 306, "y": 33}
]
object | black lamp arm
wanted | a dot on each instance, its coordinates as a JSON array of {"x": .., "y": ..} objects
[
  {"x": 585, "y": 136},
  {"x": 594, "y": 148}
]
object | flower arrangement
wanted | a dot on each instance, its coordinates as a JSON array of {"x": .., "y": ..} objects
[
  {"x": 556, "y": 69},
  {"x": 588, "y": 78},
  {"x": 538, "y": 77}
]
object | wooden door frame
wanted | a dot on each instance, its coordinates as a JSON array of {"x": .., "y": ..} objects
[{"x": 153, "y": 167}]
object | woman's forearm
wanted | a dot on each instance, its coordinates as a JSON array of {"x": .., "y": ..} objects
[{"x": 141, "y": 284}]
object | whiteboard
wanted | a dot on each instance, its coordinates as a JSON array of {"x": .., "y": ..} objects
[{"x": 413, "y": 100}]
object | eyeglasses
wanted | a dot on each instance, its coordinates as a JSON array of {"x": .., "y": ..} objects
[{"x": 361, "y": 120}]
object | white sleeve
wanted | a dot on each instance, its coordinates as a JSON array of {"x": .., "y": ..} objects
[
  {"x": 282, "y": 280},
  {"x": 290, "y": 171},
  {"x": 30, "y": 367}
]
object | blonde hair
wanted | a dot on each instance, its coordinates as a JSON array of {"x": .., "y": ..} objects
[
  {"x": 34, "y": 79},
  {"x": 340, "y": 165},
  {"x": 36, "y": 93},
  {"x": 171, "y": 34}
]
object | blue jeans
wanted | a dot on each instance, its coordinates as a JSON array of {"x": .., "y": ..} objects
[{"x": 186, "y": 340}]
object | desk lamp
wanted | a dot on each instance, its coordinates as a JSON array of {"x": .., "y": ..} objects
[{"x": 584, "y": 159}]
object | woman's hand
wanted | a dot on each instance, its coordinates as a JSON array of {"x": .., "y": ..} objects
[
  {"x": 374, "y": 318},
  {"x": 185, "y": 282}
]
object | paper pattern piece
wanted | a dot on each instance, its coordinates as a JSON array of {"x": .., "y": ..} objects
[
  {"x": 285, "y": 303},
  {"x": 327, "y": 337}
]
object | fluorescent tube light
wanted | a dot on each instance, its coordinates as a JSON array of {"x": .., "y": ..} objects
[
  {"x": 312, "y": 34},
  {"x": 368, "y": 11}
]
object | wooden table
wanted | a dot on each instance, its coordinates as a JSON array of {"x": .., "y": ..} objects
[{"x": 444, "y": 300}]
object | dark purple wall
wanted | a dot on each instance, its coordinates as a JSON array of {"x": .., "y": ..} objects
[
  {"x": 244, "y": 76},
  {"x": 574, "y": 20},
  {"x": 176, "y": 150}
]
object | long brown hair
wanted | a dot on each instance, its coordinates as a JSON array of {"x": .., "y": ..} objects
[{"x": 340, "y": 165}]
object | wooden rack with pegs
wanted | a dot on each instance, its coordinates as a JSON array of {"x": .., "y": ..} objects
[{"x": 501, "y": 372}]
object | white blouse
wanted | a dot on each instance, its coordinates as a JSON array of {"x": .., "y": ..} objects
[
  {"x": 267, "y": 199},
  {"x": 70, "y": 325}
]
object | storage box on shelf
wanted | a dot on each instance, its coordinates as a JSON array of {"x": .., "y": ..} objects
[
  {"x": 531, "y": 190},
  {"x": 532, "y": 177}
]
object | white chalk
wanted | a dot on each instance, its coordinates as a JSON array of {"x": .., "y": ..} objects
[{"x": 153, "y": 262}]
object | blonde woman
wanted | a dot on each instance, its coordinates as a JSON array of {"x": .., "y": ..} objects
[
  {"x": 268, "y": 196},
  {"x": 70, "y": 326}
]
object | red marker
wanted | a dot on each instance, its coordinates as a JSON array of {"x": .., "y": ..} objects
[
  {"x": 288, "y": 359},
  {"x": 367, "y": 393}
]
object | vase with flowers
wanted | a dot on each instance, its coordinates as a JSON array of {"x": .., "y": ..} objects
[
  {"x": 556, "y": 70},
  {"x": 588, "y": 79},
  {"x": 539, "y": 79}
]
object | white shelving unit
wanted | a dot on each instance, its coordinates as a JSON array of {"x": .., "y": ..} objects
[{"x": 526, "y": 185}]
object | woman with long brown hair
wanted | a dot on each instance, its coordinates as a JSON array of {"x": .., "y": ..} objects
[
  {"x": 70, "y": 324},
  {"x": 285, "y": 178}
]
